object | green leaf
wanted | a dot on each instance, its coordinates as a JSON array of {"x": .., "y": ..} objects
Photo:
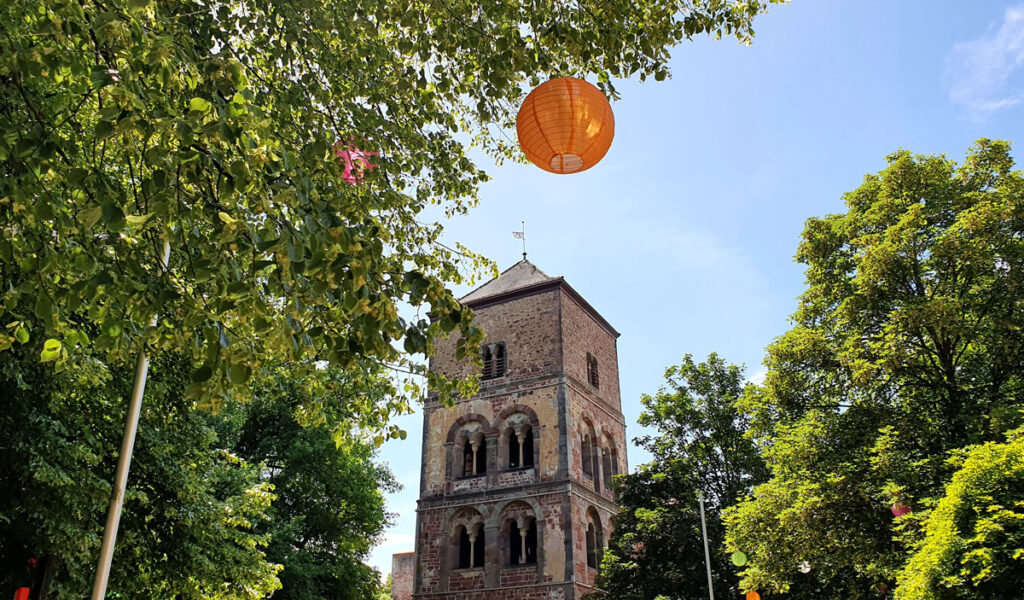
[
  {"x": 104, "y": 129},
  {"x": 43, "y": 308},
  {"x": 238, "y": 374},
  {"x": 21, "y": 334},
  {"x": 199, "y": 105},
  {"x": 51, "y": 350},
  {"x": 113, "y": 216},
  {"x": 138, "y": 219},
  {"x": 90, "y": 216},
  {"x": 202, "y": 374}
]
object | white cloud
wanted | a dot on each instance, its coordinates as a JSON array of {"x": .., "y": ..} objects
[
  {"x": 758, "y": 378},
  {"x": 987, "y": 74}
]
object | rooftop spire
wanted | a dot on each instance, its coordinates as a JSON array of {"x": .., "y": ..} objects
[{"x": 521, "y": 235}]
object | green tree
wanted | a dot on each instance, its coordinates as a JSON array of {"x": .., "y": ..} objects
[
  {"x": 974, "y": 539},
  {"x": 700, "y": 447},
  {"x": 189, "y": 523},
  {"x": 329, "y": 507},
  {"x": 209, "y": 126},
  {"x": 217, "y": 504},
  {"x": 907, "y": 348}
]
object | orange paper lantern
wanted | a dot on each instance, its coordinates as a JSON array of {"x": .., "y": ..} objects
[
  {"x": 565, "y": 125},
  {"x": 753, "y": 596}
]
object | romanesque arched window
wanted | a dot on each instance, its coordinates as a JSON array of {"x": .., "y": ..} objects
[
  {"x": 522, "y": 539},
  {"x": 520, "y": 446},
  {"x": 494, "y": 359},
  {"x": 606, "y": 463},
  {"x": 474, "y": 454},
  {"x": 595, "y": 538},
  {"x": 518, "y": 533},
  {"x": 465, "y": 548},
  {"x": 471, "y": 546},
  {"x": 587, "y": 451},
  {"x": 591, "y": 546}
]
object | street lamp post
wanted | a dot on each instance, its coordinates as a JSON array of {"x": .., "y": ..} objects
[
  {"x": 124, "y": 460},
  {"x": 707, "y": 553}
]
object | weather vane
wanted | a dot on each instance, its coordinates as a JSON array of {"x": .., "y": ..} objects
[{"x": 521, "y": 235}]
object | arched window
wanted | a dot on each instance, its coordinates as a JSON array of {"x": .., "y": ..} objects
[
  {"x": 520, "y": 447},
  {"x": 465, "y": 549},
  {"x": 474, "y": 456},
  {"x": 591, "y": 546},
  {"x": 494, "y": 359},
  {"x": 478, "y": 547},
  {"x": 588, "y": 466},
  {"x": 606, "y": 457},
  {"x": 471, "y": 546},
  {"x": 595, "y": 538},
  {"x": 522, "y": 543}
]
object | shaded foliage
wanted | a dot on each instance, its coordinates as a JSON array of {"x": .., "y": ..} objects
[
  {"x": 187, "y": 529},
  {"x": 700, "y": 447},
  {"x": 329, "y": 507},
  {"x": 907, "y": 348}
]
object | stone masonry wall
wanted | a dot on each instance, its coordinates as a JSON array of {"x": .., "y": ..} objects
[
  {"x": 547, "y": 336},
  {"x": 529, "y": 328},
  {"x": 582, "y": 334},
  {"x": 402, "y": 569}
]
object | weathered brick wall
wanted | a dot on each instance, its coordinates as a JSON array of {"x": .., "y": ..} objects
[
  {"x": 518, "y": 575},
  {"x": 490, "y": 409},
  {"x": 402, "y": 569},
  {"x": 582, "y": 334},
  {"x": 543, "y": 592},
  {"x": 465, "y": 579},
  {"x": 589, "y": 416},
  {"x": 529, "y": 328},
  {"x": 428, "y": 552}
]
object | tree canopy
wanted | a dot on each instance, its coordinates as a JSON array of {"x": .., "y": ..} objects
[
  {"x": 906, "y": 354},
  {"x": 328, "y": 510},
  {"x": 187, "y": 529},
  {"x": 210, "y": 126},
  {"x": 232, "y": 505},
  {"x": 657, "y": 548}
]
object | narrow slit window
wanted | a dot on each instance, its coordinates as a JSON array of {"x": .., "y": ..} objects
[
  {"x": 592, "y": 376},
  {"x": 607, "y": 474},
  {"x": 515, "y": 544},
  {"x": 467, "y": 459},
  {"x": 591, "y": 547},
  {"x": 513, "y": 450}
]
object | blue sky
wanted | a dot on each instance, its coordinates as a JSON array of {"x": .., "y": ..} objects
[{"x": 683, "y": 236}]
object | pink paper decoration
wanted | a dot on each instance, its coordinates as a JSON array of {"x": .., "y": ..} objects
[
  {"x": 899, "y": 509},
  {"x": 356, "y": 161}
]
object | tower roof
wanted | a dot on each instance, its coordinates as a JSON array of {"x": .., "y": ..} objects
[
  {"x": 520, "y": 275},
  {"x": 524, "y": 278}
]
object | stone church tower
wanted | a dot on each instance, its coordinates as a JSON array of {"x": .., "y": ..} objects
[{"x": 515, "y": 498}]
